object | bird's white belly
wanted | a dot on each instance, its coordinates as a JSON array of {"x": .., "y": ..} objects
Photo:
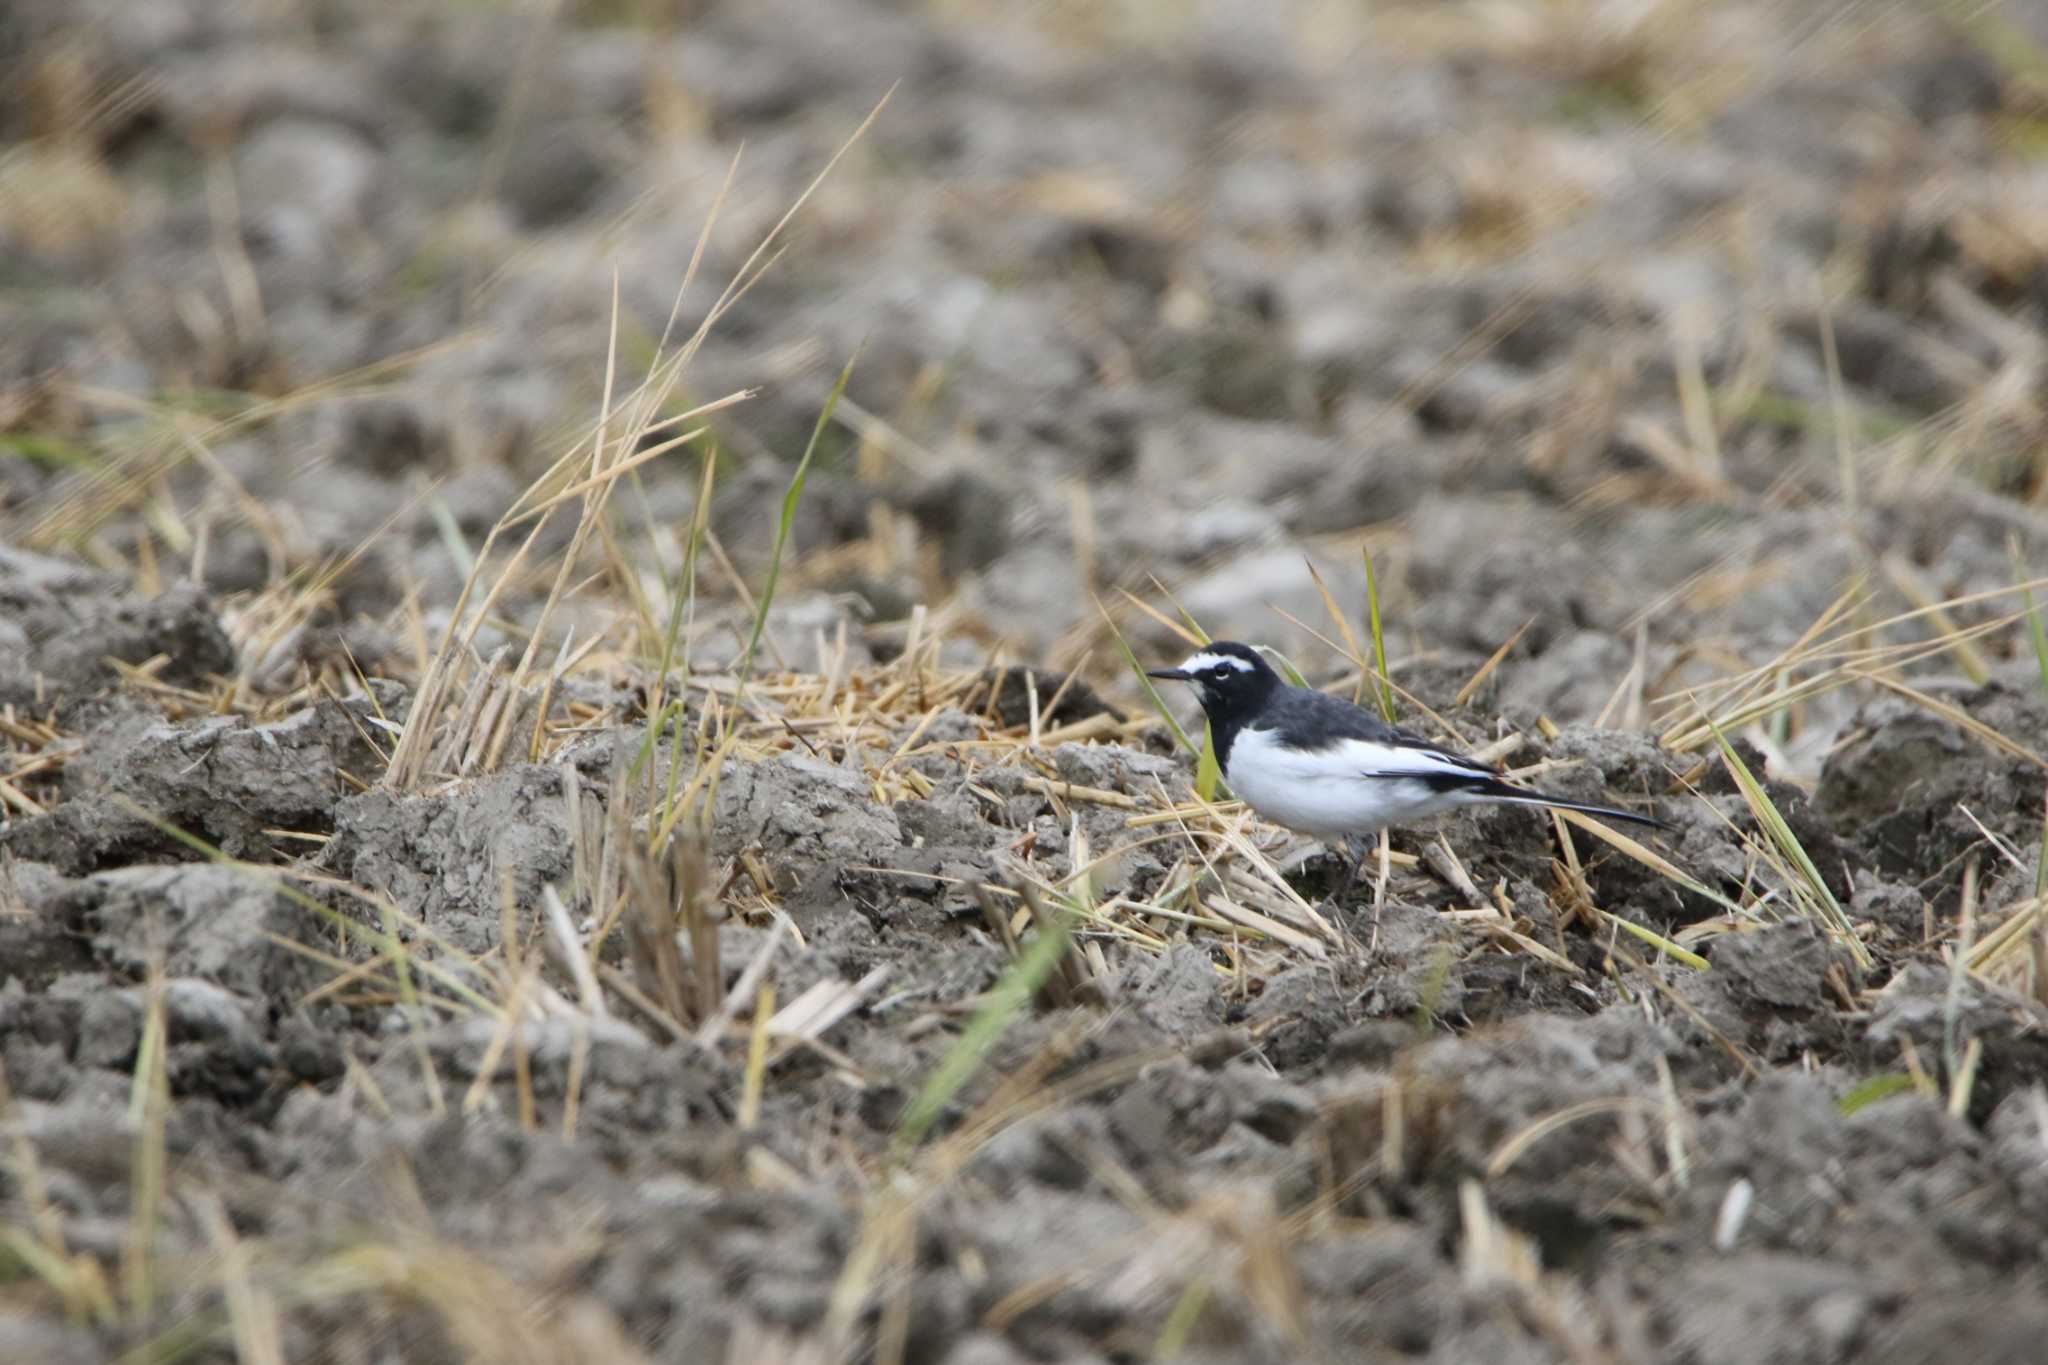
[{"x": 1329, "y": 794}]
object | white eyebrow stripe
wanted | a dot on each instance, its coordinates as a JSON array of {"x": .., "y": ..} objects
[{"x": 1197, "y": 663}]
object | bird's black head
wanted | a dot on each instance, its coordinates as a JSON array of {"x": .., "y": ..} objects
[{"x": 1232, "y": 681}]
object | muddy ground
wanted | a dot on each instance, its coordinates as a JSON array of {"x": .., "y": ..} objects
[{"x": 1688, "y": 355}]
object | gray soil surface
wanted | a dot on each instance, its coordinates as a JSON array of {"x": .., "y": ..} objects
[{"x": 1696, "y": 350}]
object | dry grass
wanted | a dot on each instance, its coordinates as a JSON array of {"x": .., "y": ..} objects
[{"x": 645, "y": 869}]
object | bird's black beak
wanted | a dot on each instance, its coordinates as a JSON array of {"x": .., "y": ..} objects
[{"x": 1170, "y": 674}]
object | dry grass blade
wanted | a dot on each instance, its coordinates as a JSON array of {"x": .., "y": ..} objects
[
  {"x": 485, "y": 1312},
  {"x": 86, "y": 503},
  {"x": 1840, "y": 658},
  {"x": 1729, "y": 693},
  {"x": 751, "y": 979},
  {"x": 1807, "y": 882},
  {"x": 658, "y": 966},
  {"x": 1286, "y": 666},
  {"x": 1955, "y": 716},
  {"x": 1190, "y": 632},
  {"x": 1491, "y": 1254},
  {"x": 1181, "y": 1319},
  {"x": 811, "y": 1015},
  {"x": 1952, "y": 1001},
  {"x": 410, "y": 756},
  {"x": 1478, "y": 679},
  {"x": 1695, "y": 403},
  {"x": 759, "y": 260},
  {"x": 1915, "y": 590},
  {"x": 1351, "y": 647},
  {"x": 690, "y": 872},
  {"x": 1242, "y": 916},
  {"x": 755, "y": 1080},
  {"x": 998, "y": 923},
  {"x": 1185, "y": 615},
  {"x": 592, "y": 483},
  {"x": 1965, "y": 1079},
  {"x": 1645, "y": 855},
  {"x": 1145, "y": 683},
  {"x": 1070, "y": 970},
  {"x": 1255, "y": 871},
  {"x": 149, "y": 1108},
  {"x": 252, "y": 1309},
  {"x": 1516, "y": 1144}
]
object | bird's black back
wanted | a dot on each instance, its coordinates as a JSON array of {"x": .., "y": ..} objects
[{"x": 1301, "y": 718}]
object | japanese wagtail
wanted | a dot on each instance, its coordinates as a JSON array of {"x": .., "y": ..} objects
[{"x": 1326, "y": 767}]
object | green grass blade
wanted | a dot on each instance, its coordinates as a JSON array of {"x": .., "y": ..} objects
[
  {"x": 1877, "y": 1088},
  {"x": 1429, "y": 999},
  {"x": 2041, "y": 863},
  {"x": 1208, "y": 777},
  {"x": 790, "y": 500},
  {"x": 1181, "y": 1319},
  {"x": 2040, "y": 638},
  {"x": 1657, "y": 941},
  {"x": 1013, "y": 991},
  {"x": 450, "y": 532},
  {"x": 1383, "y": 687},
  {"x": 53, "y": 451},
  {"x": 682, "y": 607}
]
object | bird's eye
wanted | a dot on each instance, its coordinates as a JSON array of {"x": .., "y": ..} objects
[{"x": 1219, "y": 672}]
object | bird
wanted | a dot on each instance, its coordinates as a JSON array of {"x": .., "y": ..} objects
[{"x": 1329, "y": 768}]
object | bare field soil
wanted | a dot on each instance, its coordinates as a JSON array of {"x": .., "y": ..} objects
[{"x": 574, "y": 780}]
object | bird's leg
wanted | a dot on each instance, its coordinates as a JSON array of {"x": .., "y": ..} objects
[
  {"x": 1355, "y": 855},
  {"x": 1353, "y": 867}
]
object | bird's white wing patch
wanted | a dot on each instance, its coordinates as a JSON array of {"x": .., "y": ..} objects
[
  {"x": 1350, "y": 787},
  {"x": 1362, "y": 755}
]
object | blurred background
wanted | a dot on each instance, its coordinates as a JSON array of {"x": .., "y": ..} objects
[{"x": 1638, "y": 327}]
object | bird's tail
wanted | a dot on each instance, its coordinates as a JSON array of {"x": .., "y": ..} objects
[{"x": 1501, "y": 793}]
